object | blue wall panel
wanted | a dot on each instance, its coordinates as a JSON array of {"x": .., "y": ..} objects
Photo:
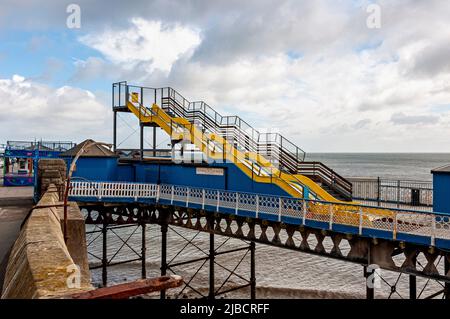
[
  {"x": 95, "y": 168},
  {"x": 441, "y": 192},
  {"x": 239, "y": 181},
  {"x": 125, "y": 173},
  {"x": 108, "y": 169}
]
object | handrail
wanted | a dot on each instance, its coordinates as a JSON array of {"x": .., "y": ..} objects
[
  {"x": 174, "y": 126},
  {"x": 327, "y": 175},
  {"x": 279, "y": 151},
  {"x": 188, "y": 110},
  {"x": 394, "y": 221}
]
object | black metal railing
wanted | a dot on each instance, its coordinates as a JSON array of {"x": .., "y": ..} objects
[
  {"x": 281, "y": 152},
  {"x": 41, "y": 145},
  {"x": 395, "y": 192},
  {"x": 319, "y": 172}
]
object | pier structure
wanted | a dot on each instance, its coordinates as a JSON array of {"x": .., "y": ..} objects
[
  {"x": 252, "y": 186},
  {"x": 224, "y": 179}
]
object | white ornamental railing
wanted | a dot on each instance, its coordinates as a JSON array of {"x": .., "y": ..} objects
[
  {"x": 432, "y": 225},
  {"x": 101, "y": 190}
]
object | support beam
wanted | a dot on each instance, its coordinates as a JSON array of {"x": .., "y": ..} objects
[
  {"x": 164, "y": 228},
  {"x": 413, "y": 282},
  {"x": 412, "y": 287},
  {"x": 141, "y": 141},
  {"x": 154, "y": 131},
  {"x": 252, "y": 270},
  {"x": 154, "y": 141},
  {"x": 370, "y": 291},
  {"x": 114, "y": 130},
  {"x": 447, "y": 271},
  {"x": 104, "y": 252},
  {"x": 211, "y": 266},
  {"x": 143, "y": 253}
]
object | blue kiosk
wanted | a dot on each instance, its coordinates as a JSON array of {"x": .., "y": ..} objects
[
  {"x": 441, "y": 189},
  {"x": 21, "y": 160}
]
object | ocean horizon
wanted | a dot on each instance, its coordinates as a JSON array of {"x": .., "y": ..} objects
[{"x": 405, "y": 166}]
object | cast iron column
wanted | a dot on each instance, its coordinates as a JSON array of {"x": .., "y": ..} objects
[
  {"x": 413, "y": 283},
  {"x": 370, "y": 293},
  {"x": 154, "y": 141},
  {"x": 141, "y": 145},
  {"x": 447, "y": 272},
  {"x": 143, "y": 252},
  {"x": 163, "y": 254},
  {"x": 115, "y": 130},
  {"x": 212, "y": 254},
  {"x": 252, "y": 270},
  {"x": 104, "y": 252}
]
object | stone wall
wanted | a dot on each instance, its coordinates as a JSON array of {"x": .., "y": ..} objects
[
  {"x": 41, "y": 265},
  {"x": 51, "y": 171}
]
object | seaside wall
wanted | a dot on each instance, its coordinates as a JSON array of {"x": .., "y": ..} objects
[
  {"x": 41, "y": 264},
  {"x": 51, "y": 171}
]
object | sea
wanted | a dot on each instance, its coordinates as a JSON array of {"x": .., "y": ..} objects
[{"x": 280, "y": 273}]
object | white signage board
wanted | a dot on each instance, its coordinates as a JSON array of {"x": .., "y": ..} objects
[{"x": 209, "y": 171}]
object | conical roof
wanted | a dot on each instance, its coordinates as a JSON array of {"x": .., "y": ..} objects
[{"x": 92, "y": 151}]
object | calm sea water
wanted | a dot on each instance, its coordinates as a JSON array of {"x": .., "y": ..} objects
[
  {"x": 415, "y": 166},
  {"x": 280, "y": 273}
]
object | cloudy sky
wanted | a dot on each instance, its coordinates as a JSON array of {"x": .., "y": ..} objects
[{"x": 312, "y": 70}]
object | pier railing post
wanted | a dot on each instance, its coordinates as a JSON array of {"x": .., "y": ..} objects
[{"x": 378, "y": 191}]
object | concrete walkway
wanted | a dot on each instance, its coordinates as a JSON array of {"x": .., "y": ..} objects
[{"x": 15, "y": 202}]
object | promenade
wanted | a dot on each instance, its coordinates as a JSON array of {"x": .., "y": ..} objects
[{"x": 15, "y": 202}]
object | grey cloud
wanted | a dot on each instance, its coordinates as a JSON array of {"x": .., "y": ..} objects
[
  {"x": 231, "y": 28},
  {"x": 361, "y": 124},
  {"x": 434, "y": 59},
  {"x": 404, "y": 119},
  {"x": 94, "y": 68}
]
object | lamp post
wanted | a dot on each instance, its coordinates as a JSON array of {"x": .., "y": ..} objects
[{"x": 84, "y": 148}]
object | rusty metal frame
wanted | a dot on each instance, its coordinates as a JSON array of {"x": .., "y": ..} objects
[
  {"x": 210, "y": 255},
  {"x": 363, "y": 251}
]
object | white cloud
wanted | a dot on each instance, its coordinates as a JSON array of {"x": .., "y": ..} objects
[
  {"x": 347, "y": 89},
  {"x": 32, "y": 110},
  {"x": 404, "y": 119},
  {"x": 332, "y": 97},
  {"x": 151, "y": 41}
]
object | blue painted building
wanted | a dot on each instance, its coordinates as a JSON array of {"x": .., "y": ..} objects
[
  {"x": 21, "y": 159},
  {"x": 441, "y": 189},
  {"x": 96, "y": 163},
  {"x": 100, "y": 164}
]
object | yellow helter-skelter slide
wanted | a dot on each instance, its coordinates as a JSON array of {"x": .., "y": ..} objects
[{"x": 253, "y": 165}]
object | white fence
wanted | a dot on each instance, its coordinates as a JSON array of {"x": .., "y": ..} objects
[{"x": 432, "y": 225}]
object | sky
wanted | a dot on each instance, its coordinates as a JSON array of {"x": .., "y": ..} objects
[{"x": 322, "y": 73}]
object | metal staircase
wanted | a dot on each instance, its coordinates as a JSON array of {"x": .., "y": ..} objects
[
  {"x": 278, "y": 150},
  {"x": 281, "y": 152}
]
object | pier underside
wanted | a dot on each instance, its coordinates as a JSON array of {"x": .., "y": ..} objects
[{"x": 406, "y": 259}]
